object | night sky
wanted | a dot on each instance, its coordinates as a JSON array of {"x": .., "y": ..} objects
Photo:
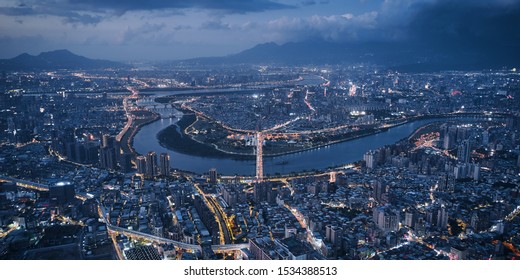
[{"x": 173, "y": 29}]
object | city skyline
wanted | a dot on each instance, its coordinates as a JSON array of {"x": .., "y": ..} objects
[
  {"x": 351, "y": 163},
  {"x": 369, "y": 130}
]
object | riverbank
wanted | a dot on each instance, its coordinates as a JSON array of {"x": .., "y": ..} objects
[
  {"x": 318, "y": 159},
  {"x": 127, "y": 140},
  {"x": 173, "y": 138}
]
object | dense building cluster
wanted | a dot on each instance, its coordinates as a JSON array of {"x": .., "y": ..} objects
[{"x": 72, "y": 186}]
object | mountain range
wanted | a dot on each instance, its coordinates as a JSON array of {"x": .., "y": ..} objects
[
  {"x": 395, "y": 55},
  {"x": 55, "y": 60},
  {"x": 401, "y": 56}
]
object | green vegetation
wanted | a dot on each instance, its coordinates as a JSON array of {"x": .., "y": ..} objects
[{"x": 171, "y": 138}]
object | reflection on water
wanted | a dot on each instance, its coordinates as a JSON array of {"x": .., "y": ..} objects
[{"x": 332, "y": 155}]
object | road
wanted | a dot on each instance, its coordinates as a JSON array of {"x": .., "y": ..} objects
[
  {"x": 33, "y": 185},
  {"x": 221, "y": 216},
  {"x": 181, "y": 245}
]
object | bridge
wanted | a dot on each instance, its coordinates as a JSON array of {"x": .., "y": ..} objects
[
  {"x": 25, "y": 184},
  {"x": 182, "y": 245},
  {"x": 132, "y": 233},
  {"x": 478, "y": 115},
  {"x": 229, "y": 247},
  {"x": 178, "y": 244},
  {"x": 142, "y": 235},
  {"x": 34, "y": 186},
  {"x": 164, "y": 110}
]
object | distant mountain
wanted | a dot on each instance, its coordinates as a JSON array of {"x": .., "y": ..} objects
[
  {"x": 54, "y": 60},
  {"x": 310, "y": 52},
  {"x": 402, "y": 56}
]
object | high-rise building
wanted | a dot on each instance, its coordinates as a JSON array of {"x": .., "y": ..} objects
[
  {"x": 463, "y": 153},
  {"x": 213, "y": 176},
  {"x": 164, "y": 164},
  {"x": 230, "y": 196},
  {"x": 442, "y": 217},
  {"x": 107, "y": 141},
  {"x": 446, "y": 183},
  {"x": 461, "y": 171},
  {"x": 126, "y": 162},
  {"x": 91, "y": 152},
  {"x": 260, "y": 192},
  {"x": 379, "y": 191},
  {"x": 333, "y": 234},
  {"x": 271, "y": 194},
  {"x": 109, "y": 152},
  {"x": 450, "y": 137},
  {"x": 141, "y": 165},
  {"x": 370, "y": 159},
  {"x": 62, "y": 192},
  {"x": 409, "y": 219},
  {"x": 386, "y": 218},
  {"x": 332, "y": 178},
  {"x": 151, "y": 165},
  {"x": 328, "y": 232},
  {"x": 475, "y": 171},
  {"x": 108, "y": 158}
]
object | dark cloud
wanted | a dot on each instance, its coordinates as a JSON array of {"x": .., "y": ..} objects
[
  {"x": 233, "y": 6},
  {"x": 467, "y": 22},
  {"x": 90, "y": 11},
  {"x": 434, "y": 22},
  {"x": 335, "y": 28},
  {"x": 69, "y": 15},
  {"x": 478, "y": 26},
  {"x": 487, "y": 29}
]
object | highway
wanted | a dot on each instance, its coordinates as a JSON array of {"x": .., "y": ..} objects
[
  {"x": 229, "y": 247},
  {"x": 128, "y": 113},
  {"x": 225, "y": 231},
  {"x": 128, "y": 232},
  {"x": 137, "y": 234},
  {"x": 150, "y": 237},
  {"x": 181, "y": 245},
  {"x": 25, "y": 184},
  {"x": 33, "y": 185},
  {"x": 221, "y": 216}
]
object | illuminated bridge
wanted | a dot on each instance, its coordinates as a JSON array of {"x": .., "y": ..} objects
[
  {"x": 137, "y": 234},
  {"x": 26, "y": 184},
  {"x": 35, "y": 186},
  {"x": 178, "y": 244},
  {"x": 182, "y": 245},
  {"x": 129, "y": 232},
  {"x": 229, "y": 247}
]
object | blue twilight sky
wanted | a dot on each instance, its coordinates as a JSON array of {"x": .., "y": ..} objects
[{"x": 176, "y": 29}]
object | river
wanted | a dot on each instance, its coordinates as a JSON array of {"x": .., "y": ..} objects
[{"x": 320, "y": 158}]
